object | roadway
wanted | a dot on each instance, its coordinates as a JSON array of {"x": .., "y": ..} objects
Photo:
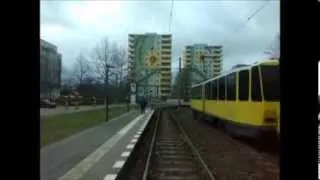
[{"x": 64, "y": 110}]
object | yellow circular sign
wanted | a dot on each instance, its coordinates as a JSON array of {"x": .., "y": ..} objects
[{"x": 152, "y": 58}]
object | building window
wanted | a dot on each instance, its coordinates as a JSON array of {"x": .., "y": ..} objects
[
  {"x": 243, "y": 85},
  {"x": 222, "y": 90},
  {"x": 255, "y": 84},
  {"x": 231, "y": 87}
]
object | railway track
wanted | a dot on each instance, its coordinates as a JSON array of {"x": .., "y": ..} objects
[{"x": 172, "y": 156}]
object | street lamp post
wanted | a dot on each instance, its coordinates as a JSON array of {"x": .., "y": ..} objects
[
  {"x": 180, "y": 83},
  {"x": 106, "y": 89},
  {"x": 128, "y": 96}
]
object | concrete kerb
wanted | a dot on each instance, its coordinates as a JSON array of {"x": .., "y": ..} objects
[{"x": 133, "y": 155}]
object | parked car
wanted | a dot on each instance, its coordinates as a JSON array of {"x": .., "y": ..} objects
[{"x": 44, "y": 103}]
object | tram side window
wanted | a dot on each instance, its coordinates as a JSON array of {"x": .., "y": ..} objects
[
  {"x": 194, "y": 92},
  {"x": 197, "y": 92},
  {"x": 231, "y": 87},
  {"x": 255, "y": 85},
  {"x": 271, "y": 83},
  {"x": 214, "y": 91},
  {"x": 207, "y": 90},
  {"x": 243, "y": 85},
  {"x": 222, "y": 88}
]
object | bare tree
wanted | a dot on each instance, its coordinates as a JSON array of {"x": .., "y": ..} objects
[
  {"x": 66, "y": 77},
  {"x": 109, "y": 53},
  {"x": 118, "y": 59},
  {"x": 102, "y": 56},
  {"x": 81, "y": 69},
  {"x": 123, "y": 61},
  {"x": 67, "y": 81}
]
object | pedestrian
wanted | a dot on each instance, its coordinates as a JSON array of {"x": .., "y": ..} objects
[
  {"x": 143, "y": 104},
  {"x": 94, "y": 102},
  {"x": 66, "y": 103}
]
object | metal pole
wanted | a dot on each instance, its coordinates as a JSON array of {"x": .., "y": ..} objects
[
  {"x": 203, "y": 69},
  {"x": 128, "y": 96},
  {"x": 107, "y": 87},
  {"x": 180, "y": 81},
  {"x": 107, "y": 100}
]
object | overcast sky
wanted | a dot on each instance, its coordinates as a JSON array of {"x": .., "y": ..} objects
[{"x": 76, "y": 26}]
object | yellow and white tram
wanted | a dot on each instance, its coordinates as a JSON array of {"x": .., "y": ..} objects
[{"x": 244, "y": 101}]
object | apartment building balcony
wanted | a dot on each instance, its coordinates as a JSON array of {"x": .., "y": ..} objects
[
  {"x": 216, "y": 56},
  {"x": 132, "y": 36},
  {"x": 217, "y": 60},
  {"x": 165, "y": 92},
  {"x": 165, "y": 63},
  {"x": 131, "y": 44},
  {"x": 165, "y": 68},
  {"x": 166, "y": 42},
  {"x": 131, "y": 55},
  {"x": 166, "y": 46},
  {"x": 166, "y": 56},
  {"x": 165, "y": 87},
  {"x": 217, "y": 47},
  {"x": 131, "y": 50},
  {"x": 166, "y": 36},
  {"x": 166, "y": 60},
  {"x": 165, "y": 73},
  {"x": 165, "y": 52},
  {"x": 165, "y": 78}
]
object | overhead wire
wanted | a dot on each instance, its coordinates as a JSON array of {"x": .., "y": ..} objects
[
  {"x": 170, "y": 16},
  {"x": 244, "y": 23}
]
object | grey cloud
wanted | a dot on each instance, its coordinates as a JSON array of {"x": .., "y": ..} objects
[
  {"x": 55, "y": 13},
  {"x": 193, "y": 22}
]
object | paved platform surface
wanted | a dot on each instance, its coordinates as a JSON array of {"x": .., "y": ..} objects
[
  {"x": 58, "y": 158},
  {"x": 111, "y": 163}
]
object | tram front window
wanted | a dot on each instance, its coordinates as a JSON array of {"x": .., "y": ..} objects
[{"x": 271, "y": 83}]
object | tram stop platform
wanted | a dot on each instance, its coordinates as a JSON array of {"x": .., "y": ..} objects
[{"x": 96, "y": 153}]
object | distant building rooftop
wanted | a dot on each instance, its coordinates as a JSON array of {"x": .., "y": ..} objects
[{"x": 46, "y": 44}]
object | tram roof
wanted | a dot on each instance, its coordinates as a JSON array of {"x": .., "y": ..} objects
[{"x": 265, "y": 62}]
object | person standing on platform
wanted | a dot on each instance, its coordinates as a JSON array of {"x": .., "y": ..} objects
[
  {"x": 94, "y": 101},
  {"x": 143, "y": 104}
]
